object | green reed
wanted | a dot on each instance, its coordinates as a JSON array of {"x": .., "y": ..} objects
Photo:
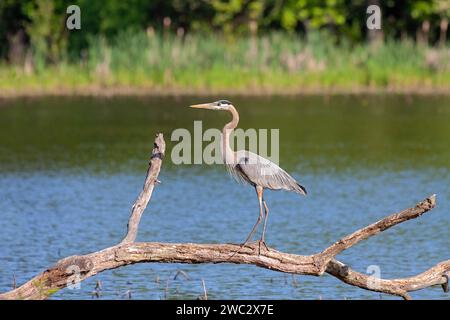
[{"x": 276, "y": 61}]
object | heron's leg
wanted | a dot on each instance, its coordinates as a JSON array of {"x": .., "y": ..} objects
[
  {"x": 266, "y": 216},
  {"x": 259, "y": 192}
]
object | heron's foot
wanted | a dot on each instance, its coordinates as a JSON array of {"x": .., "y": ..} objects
[
  {"x": 262, "y": 242},
  {"x": 251, "y": 245},
  {"x": 248, "y": 244}
]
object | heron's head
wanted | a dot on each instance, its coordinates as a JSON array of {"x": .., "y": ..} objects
[{"x": 217, "y": 105}]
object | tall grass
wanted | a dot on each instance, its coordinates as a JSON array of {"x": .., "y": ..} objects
[{"x": 206, "y": 61}]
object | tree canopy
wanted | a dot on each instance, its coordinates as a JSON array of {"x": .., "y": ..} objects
[{"x": 40, "y": 24}]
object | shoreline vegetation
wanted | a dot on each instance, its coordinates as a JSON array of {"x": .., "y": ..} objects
[
  {"x": 111, "y": 92},
  {"x": 150, "y": 63}
]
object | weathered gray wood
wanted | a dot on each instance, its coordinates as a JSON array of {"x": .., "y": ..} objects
[
  {"x": 60, "y": 275},
  {"x": 150, "y": 181},
  {"x": 78, "y": 268},
  {"x": 377, "y": 227}
]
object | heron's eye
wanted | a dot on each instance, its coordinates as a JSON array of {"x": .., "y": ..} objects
[{"x": 223, "y": 103}]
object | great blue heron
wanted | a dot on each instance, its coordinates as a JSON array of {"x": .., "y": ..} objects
[{"x": 251, "y": 168}]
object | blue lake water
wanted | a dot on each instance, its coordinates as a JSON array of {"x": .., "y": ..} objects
[{"x": 70, "y": 168}]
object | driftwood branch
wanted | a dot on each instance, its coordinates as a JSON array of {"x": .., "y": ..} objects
[
  {"x": 77, "y": 268},
  {"x": 377, "y": 227},
  {"x": 151, "y": 180}
]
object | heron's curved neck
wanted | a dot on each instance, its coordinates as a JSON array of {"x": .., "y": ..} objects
[{"x": 227, "y": 153}]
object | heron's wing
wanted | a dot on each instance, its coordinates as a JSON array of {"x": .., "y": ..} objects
[
  {"x": 257, "y": 170},
  {"x": 235, "y": 170}
]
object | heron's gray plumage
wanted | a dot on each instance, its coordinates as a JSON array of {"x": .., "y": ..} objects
[
  {"x": 250, "y": 168},
  {"x": 255, "y": 170}
]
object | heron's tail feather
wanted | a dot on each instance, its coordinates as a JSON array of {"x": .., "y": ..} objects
[{"x": 301, "y": 189}]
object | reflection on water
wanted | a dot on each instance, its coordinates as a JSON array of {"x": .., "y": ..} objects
[{"x": 70, "y": 169}]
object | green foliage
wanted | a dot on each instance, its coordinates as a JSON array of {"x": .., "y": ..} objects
[
  {"x": 274, "y": 60},
  {"x": 46, "y": 30},
  {"x": 43, "y": 20},
  {"x": 423, "y": 9},
  {"x": 316, "y": 13},
  {"x": 220, "y": 43}
]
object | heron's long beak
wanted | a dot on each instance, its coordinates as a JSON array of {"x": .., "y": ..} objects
[{"x": 203, "y": 106}]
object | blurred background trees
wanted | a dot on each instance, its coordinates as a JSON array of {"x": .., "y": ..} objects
[
  {"x": 223, "y": 43},
  {"x": 39, "y": 25}
]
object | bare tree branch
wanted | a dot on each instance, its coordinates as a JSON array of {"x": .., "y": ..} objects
[
  {"x": 144, "y": 197},
  {"x": 377, "y": 227},
  {"x": 437, "y": 275},
  {"x": 62, "y": 273},
  {"x": 77, "y": 268}
]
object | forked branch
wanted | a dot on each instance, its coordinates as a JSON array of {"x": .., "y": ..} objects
[{"x": 78, "y": 268}]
